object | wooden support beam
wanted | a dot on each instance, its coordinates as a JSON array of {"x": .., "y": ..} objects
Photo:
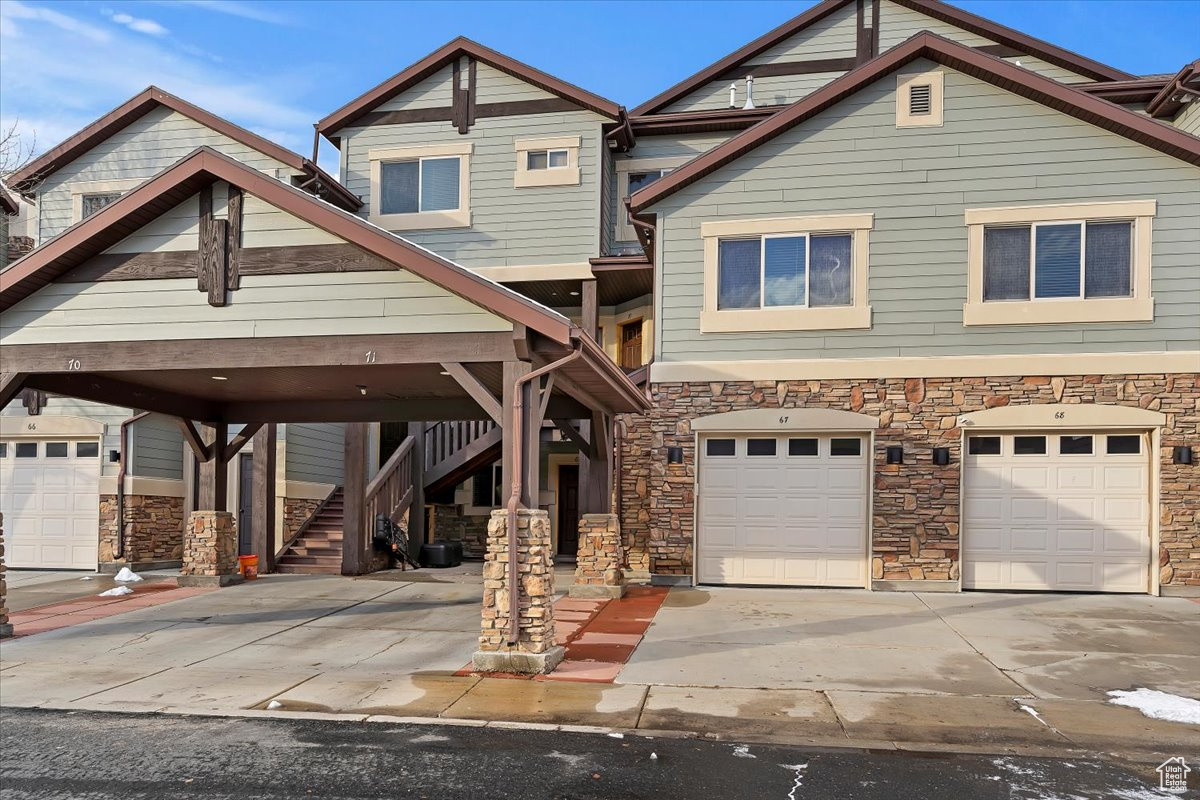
[
  {"x": 416, "y": 512},
  {"x": 479, "y": 393},
  {"x": 203, "y": 278},
  {"x": 356, "y": 410},
  {"x": 11, "y": 384},
  {"x": 233, "y": 239},
  {"x": 262, "y": 515},
  {"x": 531, "y": 434},
  {"x": 239, "y": 441},
  {"x": 354, "y": 483},
  {"x": 194, "y": 440},
  {"x": 544, "y": 394},
  {"x": 598, "y": 497},
  {"x": 574, "y": 436},
  {"x": 118, "y": 392},
  {"x": 212, "y": 260},
  {"x": 590, "y": 308},
  {"x": 214, "y": 472}
]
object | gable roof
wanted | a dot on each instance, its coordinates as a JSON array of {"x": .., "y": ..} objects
[
  {"x": 143, "y": 103},
  {"x": 1171, "y": 97},
  {"x": 998, "y": 33},
  {"x": 1152, "y": 133},
  {"x": 444, "y": 55},
  {"x": 204, "y": 165}
]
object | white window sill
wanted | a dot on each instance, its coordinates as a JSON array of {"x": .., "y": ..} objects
[
  {"x": 558, "y": 176},
  {"x": 1047, "y": 312},
  {"x": 428, "y": 220},
  {"x": 785, "y": 319}
]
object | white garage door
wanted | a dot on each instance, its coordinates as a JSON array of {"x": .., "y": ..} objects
[
  {"x": 783, "y": 510},
  {"x": 1057, "y": 511},
  {"x": 50, "y": 493}
]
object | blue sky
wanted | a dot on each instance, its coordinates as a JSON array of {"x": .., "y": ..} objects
[{"x": 276, "y": 67}]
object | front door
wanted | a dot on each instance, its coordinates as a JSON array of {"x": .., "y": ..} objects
[
  {"x": 568, "y": 510},
  {"x": 245, "y": 504},
  {"x": 631, "y": 345}
]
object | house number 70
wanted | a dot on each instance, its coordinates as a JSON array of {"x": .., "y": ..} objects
[{"x": 73, "y": 364}]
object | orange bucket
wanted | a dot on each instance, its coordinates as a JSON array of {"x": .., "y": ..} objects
[{"x": 248, "y": 567}]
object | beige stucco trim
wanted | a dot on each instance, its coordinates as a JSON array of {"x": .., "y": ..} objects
[
  {"x": 1183, "y": 361},
  {"x": 423, "y": 220},
  {"x": 306, "y": 490},
  {"x": 48, "y": 425},
  {"x": 525, "y": 178},
  {"x": 1051, "y": 416},
  {"x": 854, "y": 316},
  {"x": 135, "y": 484},
  {"x": 936, "y": 81},
  {"x": 81, "y": 188},
  {"x": 610, "y": 326},
  {"x": 537, "y": 272},
  {"x": 1139, "y": 307},
  {"x": 624, "y": 231},
  {"x": 756, "y": 420}
]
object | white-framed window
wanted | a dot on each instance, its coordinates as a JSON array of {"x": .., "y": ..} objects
[
  {"x": 1059, "y": 264},
  {"x": 634, "y": 174},
  {"x": 792, "y": 273},
  {"x": 547, "y": 161},
  {"x": 88, "y": 197},
  {"x": 920, "y": 99},
  {"x": 428, "y": 186}
]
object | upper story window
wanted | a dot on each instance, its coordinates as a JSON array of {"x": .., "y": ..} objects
[
  {"x": 91, "y": 203},
  {"x": 1059, "y": 264},
  {"x": 793, "y": 273},
  {"x": 423, "y": 187},
  {"x": 634, "y": 174},
  {"x": 89, "y": 197},
  {"x": 547, "y": 161}
]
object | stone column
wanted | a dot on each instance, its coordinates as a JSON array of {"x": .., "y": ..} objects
[
  {"x": 534, "y": 651},
  {"x": 210, "y": 550},
  {"x": 5, "y": 627},
  {"x": 598, "y": 571}
]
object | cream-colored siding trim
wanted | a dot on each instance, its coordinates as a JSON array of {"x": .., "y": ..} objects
[
  {"x": 935, "y": 80},
  {"x": 755, "y": 420},
  {"x": 1139, "y": 307},
  {"x": 537, "y": 272},
  {"x": 625, "y": 232},
  {"x": 525, "y": 178},
  {"x": 306, "y": 490},
  {"x": 610, "y": 325},
  {"x": 134, "y": 484},
  {"x": 82, "y": 188},
  {"x": 427, "y": 220},
  {"x": 855, "y": 315},
  {"x": 1051, "y": 416},
  {"x": 44, "y": 425},
  {"x": 926, "y": 367},
  {"x": 550, "y": 497}
]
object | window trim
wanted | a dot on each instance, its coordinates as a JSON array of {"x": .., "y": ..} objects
[
  {"x": 937, "y": 93},
  {"x": 420, "y": 220},
  {"x": 525, "y": 178},
  {"x": 83, "y": 188},
  {"x": 857, "y": 315},
  {"x": 624, "y": 231},
  {"x": 1138, "y": 307}
]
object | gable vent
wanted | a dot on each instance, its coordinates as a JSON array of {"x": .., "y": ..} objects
[{"x": 920, "y": 100}]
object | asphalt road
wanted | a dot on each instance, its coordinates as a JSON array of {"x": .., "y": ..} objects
[{"x": 56, "y": 754}]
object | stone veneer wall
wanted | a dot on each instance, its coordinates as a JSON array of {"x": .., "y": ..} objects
[
  {"x": 210, "y": 546},
  {"x": 295, "y": 513},
  {"x": 535, "y": 575},
  {"x": 472, "y": 530},
  {"x": 916, "y": 504},
  {"x": 153, "y": 528}
]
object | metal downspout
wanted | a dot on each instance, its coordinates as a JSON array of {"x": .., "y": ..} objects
[
  {"x": 120, "y": 552},
  {"x": 518, "y": 483}
]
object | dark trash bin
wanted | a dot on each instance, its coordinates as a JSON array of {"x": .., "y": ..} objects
[{"x": 441, "y": 553}]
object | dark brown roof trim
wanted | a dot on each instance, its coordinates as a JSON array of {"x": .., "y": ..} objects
[
  {"x": 9, "y": 205},
  {"x": 205, "y": 165},
  {"x": 998, "y": 72},
  {"x": 1169, "y": 99},
  {"x": 680, "y": 122},
  {"x": 26, "y": 178},
  {"x": 1138, "y": 90},
  {"x": 462, "y": 46},
  {"x": 619, "y": 263},
  {"x": 1019, "y": 43}
]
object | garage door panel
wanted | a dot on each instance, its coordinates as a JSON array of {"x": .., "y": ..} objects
[
  {"x": 1027, "y": 539},
  {"x": 846, "y": 510},
  {"x": 801, "y": 479},
  {"x": 1026, "y": 508},
  {"x": 1083, "y": 477},
  {"x": 845, "y": 479},
  {"x": 845, "y": 571},
  {"x": 802, "y": 570},
  {"x": 799, "y": 510},
  {"x": 1029, "y": 477},
  {"x": 761, "y": 478},
  {"x": 1122, "y": 541},
  {"x": 1124, "y": 509},
  {"x": 1122, "y": 577},
  {"x": 1076, "y": 574},
  {"x": 721, "y": 476},
  {"x": 984, "y": 508},
  {"x": 1028, "y": 573},
  {"x": 1074, "y": 509},
  {"x": 986, "y": 474},
  {"x": 1132, "y": 478}
]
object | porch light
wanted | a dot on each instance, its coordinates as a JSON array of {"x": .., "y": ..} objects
[
  {"x": 895, "y": 454},
  {"x": 574, "y": 294},
  {"x": 674, "y": 455},
  {"x": 941, "y": 456},
  {"x": 1183, "y": 455},
  {"x": 219, "y": 378}
]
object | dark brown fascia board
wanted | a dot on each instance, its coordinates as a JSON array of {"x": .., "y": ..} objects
[
  {"x": 998, "y": 33},
  {"x": 25, "y": 275},
  {"x": 1165, "y": 104},
  {"x": 615, "y": 377},
  {"x": 1061, "y": 97},
  {"x": 683, "y": 122},
  {"x": 9, "y": 205},
  {"x": 619, "y": 263},
  {"x": 1138, "y": 90},
  {"x": 141, "y": 104},
  {"x": 431, "y": 63}
]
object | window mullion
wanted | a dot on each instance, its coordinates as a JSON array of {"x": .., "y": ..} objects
[
  {"x": 1033, "y": 262},
  {"x": 762, "y": 272},
  {"x": 1082, "y": 260},
  {"x": 807, "y": 270},
  {"x": 420, "y": 169}
]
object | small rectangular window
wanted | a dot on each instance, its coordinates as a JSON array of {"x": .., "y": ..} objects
[
  {"x": 547, "y": 159},
  {"x": 87, "y": 449},
  {"x": 640, "y": 180},
  {"x": 720, "y": 447},
  {"x": 802, "y": 447},
  {"x": 27, "y": 450},
  {"x": 983, "y": 445},
  {"x": 1075, "y": 445},
  {"x": 845, "y": 447},
  {"x": 56, "y": 450},
  {"x": 1124, "y": 445},
  {"x": 426, "y": 184},
  {"x": 3, "y": 449},
  {"x": 91, "y": 203},
  {"x": 1029, "y": 445},
  {"x": 760, "y": 447}
]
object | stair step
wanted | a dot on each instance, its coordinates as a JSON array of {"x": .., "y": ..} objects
[
  {"x": 310, "y": 560},
  {"x": 308, "y": 569},
  {"x": 332, "y": 552},
  {"x": 322, "y": 536}
]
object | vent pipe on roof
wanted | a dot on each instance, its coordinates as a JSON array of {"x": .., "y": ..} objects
[
  {"x": 749, "y": 92},
  {"x": 733, "y": 95}
]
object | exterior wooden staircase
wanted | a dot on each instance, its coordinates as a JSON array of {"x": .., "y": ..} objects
[
  {"x": 454, "y": 451},
  {"x": 317, "y": 547}
]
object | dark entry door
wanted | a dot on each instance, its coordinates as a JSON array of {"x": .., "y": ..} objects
[
  {"x": 631, "y": 345},
  {"x": 245, "y": 504},
  {"x": 568, "y": 510}
]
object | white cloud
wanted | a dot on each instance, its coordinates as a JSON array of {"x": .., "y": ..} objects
[
  {"x": 15, "y": 9},
  {"x": 146, "y": 26},
  {"x": 239, "y": 9}
]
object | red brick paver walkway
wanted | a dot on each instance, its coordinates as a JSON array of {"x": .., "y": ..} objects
[{"x": 85, "y": 609}]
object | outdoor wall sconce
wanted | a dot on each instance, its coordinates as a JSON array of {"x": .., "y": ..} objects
[
  {"x": 1183, "y": 455},
  {"x": 895, "y": 455},
  {"x": 674, "y": 455},
  {"x": 941, "y": 456},
  {"x": 114, "y": 456}
]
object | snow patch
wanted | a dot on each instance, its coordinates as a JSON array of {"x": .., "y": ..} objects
[
  {"x": 1159, "y": 705},
  {"x": 743, "y": 751},
  {"x": 126, "y": 575},
  {"x": 116, "y": 591},
  {"x": 428, "y": 738},
  {"x": 572, "y": 760},
  {"x": 615, "y": 735},
  {"x": 274, "y": 705}
]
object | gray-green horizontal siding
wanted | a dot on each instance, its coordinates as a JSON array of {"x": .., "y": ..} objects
[
  {"x": 139, "y": 151},
  {"x": 995, "y": 149},
  {"x": 110, "y": 416},
  {"x": 1189, "y": 118},
  {"x": 315, "y": 452},
  {"x": 157, "y": 448}
]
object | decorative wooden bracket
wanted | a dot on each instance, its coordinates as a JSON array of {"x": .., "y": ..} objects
[
  {"x": 479, "y": 393},
  {"x": 192, "y": 436},
  {"x": 10, "y": 384},
  {"x": 462, "y": 101},
  {"x": 239, "y": 441},
  {"x": 574, "y": 436},
  {"x": 220, "y": 247}
]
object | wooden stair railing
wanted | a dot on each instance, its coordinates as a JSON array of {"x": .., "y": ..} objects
[
  {"x": 456, "y": 449},
  {"x": 390, "y": 492}
]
